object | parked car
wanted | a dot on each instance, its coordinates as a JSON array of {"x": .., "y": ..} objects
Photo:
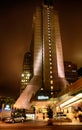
[
  {"x": 14, "y": 119},
  {"x": 8, "y": 120},
  {"x": 61, "y": 117}
]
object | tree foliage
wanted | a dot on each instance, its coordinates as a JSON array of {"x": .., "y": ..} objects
[
  {"x": 80, "y": 72},
  {"x": 49, "y": 112}
]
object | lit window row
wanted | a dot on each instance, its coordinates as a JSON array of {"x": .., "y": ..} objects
[
  {"x": 26, "y": 77},
  {"x": 24, "y": 83},
  {"x": 51, "y": 86},
  {"x": 26, "y": 74},
  {"x": 23, "y": 80},
  {"x": 50, "y": 51}
]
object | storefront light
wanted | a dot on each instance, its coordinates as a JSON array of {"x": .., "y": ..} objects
[
  {"x": 73, "y": 103},
  {"x": 73, "y": 99}
]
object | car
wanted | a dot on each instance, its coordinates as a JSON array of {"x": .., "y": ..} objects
[
  {"x": 61, "y": 117},
  {"x": 8, "y": 120},
  {"x": 18, "y": 119},
  {"x": 14, "y": 119}
]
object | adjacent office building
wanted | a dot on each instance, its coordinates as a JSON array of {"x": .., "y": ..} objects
[
  {"x": 27, "y": 72},
  {"x": 70, "y": 71}
]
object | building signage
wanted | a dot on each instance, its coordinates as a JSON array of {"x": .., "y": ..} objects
[{"x": 42, "y": 97}]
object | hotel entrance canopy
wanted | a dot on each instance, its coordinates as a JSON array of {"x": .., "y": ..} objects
[{"x": 72, "y": 96}]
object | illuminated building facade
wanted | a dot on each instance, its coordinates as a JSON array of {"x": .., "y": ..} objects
[
  {"x": 48, "y": 56},
  {"x": 48, "y": 68}
]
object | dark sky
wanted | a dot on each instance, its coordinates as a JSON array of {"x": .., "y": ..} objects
[
  {"x": 15, "y": 37},
  {"x": 70, "y": 15}
]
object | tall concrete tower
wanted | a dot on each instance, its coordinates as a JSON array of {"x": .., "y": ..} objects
[
  {"x": 48, "y": 68},
  {"x": 48, "y": 55}
]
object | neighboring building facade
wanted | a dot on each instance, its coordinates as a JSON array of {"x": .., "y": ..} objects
[
  {"x": 48, "y": 56},
  {"x": 70, "y": 71},
  {"x": 27, "y": 72}
]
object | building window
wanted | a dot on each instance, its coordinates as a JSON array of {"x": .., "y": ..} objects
[
  {"x": 69, "y": 65},
  {"x": 51, "y": 81},
  {"x": 49, "y": 40},
  {"x": 50, "y": 59},
  {"x": 50, "y": 67},
  {"x": 23, "y": 80},
  {"x": 41, "y": 88},
  {"x": 50, "y": 63},
  {"x": 49, "y": 44},
  {"x": 49, "y": 51},
  {"x": 73, "y": 70},
  {"x": 51, "y": 87},
  {"x": 51, "y": 93},
  {"x": 50, "y": 48},
  {"x": 50, "y": 55},
  {"x": 22, "y": 75},
  {"x": 48, "y": 34},
  {"x": 51, "y": 76}
]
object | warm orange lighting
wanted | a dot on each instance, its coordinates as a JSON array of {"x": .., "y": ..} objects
[
  {"x": 72, "y": 100},
  {"x": 51, "y": 81},
  {"x": 51, "y": 87}
]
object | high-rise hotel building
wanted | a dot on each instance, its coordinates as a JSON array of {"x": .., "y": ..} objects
[
  {"x": 48, "y": 68},
  {"x": 48, "y": 55}
]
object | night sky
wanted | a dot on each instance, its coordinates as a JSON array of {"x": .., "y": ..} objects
[{"x": 15, "y": 37}]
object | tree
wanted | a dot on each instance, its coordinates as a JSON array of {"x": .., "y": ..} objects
[
  {"x": 49, "y": 112},
  {"x": 50, "y": 115},
  {"x": 79, "y": 72}
]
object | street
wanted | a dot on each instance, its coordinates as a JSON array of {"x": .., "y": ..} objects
[{"x": 39, "y": 125}]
